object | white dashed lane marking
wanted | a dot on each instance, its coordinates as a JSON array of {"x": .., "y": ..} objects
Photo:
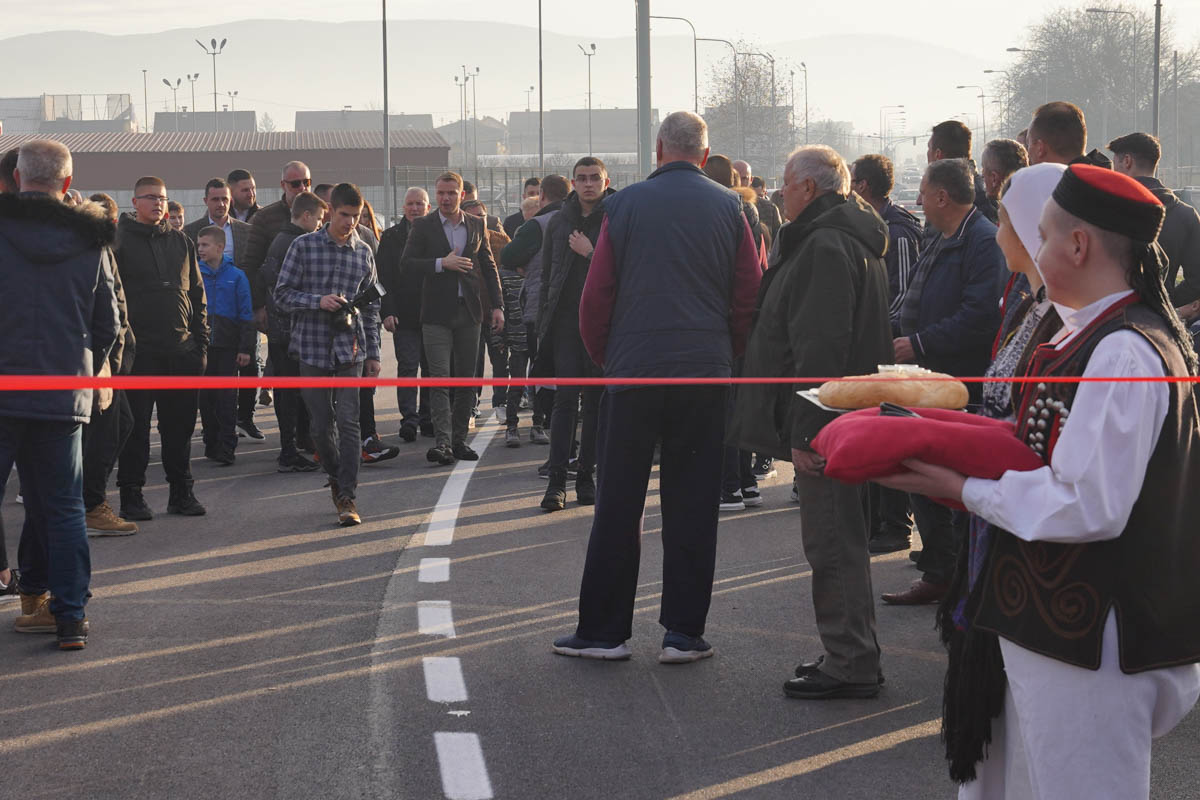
[
  {"x": 464, "y": 773},
  {"x": 444, "y": 680},
  {"x": 434, "y": 570},
  {"x": 435, "y": 618}
]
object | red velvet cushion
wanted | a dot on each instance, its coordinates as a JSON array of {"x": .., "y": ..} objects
[{"x": 862, "y": 445}]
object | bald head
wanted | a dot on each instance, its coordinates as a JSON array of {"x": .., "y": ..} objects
[{"x": 745, "y": 174}]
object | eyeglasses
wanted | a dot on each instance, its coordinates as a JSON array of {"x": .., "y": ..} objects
[
  {"x": 153, "y": 198},
  {"x": 299, "y": 182}
]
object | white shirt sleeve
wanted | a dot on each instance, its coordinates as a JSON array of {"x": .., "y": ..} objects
[{"x": 1095, "y": 475}]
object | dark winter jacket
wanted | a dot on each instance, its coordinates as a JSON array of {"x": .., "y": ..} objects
[
  {"x": 1180, "y": 240},
  {"x": 524, "y": 252},
  {"x": 822, "y": 312},
  {"x": 403, "y": 298},
  {"x": 769, "y": 215},
  {"x": 960, "y": 301},
  {"x": 60, "y": 315},
  {"x": 264, "y": 225},
  {"x": 514, "y": 221},
  {"x": 163, "y": 288},
  {"x": 904, "y": 245},
  {"x": 279, "y": 324},
  {"x": 230, "y": 317}
]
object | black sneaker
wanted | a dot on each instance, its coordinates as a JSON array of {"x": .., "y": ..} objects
[
  {"x": 764, "y": 468},
  {"x": 184, "y": 503},
  {"x": 427, "y": 430},
  {"x": 374, "y": 450},
  {"x": 72, "y": 634},
  {"x": 133, "y": 505},
  {"x": 537, "y": 435},
  {"x": 12, "y": 589},
  {"x": 888, "y": 543},
  {"x": 556, "y": 493},
  {"x": 463, "y": 452},
  {"x": 814, "y": 666},
  {"x": 248, "y": 428},
  {"x": 585, "y": 648},
  {"x": 408, "y": 433},
  {"x": 511, "y": 437},
  {"x": 296, "y": 462},
  {"x": 816, "y": 685},
  {"x": 585, "y": 489},
  {"x": 224, "y": 456},
  {"x": 679, "y": 648},
  {"x": 751, "y": 497},
  {"x": 442, "y": 454},
  {"x": 732, "y": 501}
]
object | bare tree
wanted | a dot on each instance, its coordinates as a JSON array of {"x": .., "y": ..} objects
[
  {"x": 266, "y": 124},
  {"x": 739, "y": 109}
]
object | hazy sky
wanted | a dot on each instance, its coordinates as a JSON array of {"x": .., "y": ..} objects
[{"x": 979, "y": 26}]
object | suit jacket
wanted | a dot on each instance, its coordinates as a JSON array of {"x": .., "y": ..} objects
[
  {"x": 241, "y": 235},
  {"x": 439, "y": 292}
]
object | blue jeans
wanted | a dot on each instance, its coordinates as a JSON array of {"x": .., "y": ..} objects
[{"x": 54, "y": 553}]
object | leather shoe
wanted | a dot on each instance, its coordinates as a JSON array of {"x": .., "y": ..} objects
[
  {"x": 887, "y": 543},
  {"x": 921, "y": 593},
  {"x": 806, "y": 667},
  {"x": 464, "y": 453},
  {"x": 440, "y": 455},
  {"x": 816, "y": 685},
  {"x": 914, "y": 555}
]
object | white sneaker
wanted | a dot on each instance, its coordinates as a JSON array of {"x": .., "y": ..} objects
[
  {"x": 501, "y": 414},
  {"x": 732, "y": 502}
]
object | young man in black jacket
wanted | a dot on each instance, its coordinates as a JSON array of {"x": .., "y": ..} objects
[{"x": 167, "y": 311}]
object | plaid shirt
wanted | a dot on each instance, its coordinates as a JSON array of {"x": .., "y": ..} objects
[{"x": 316, "y": 265}]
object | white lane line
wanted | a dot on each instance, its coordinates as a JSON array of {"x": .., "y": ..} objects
[
  {"x": 433, "y": 570},
  {"x": 439, "y": 531},
  {"x": 395, "y": 621},
  {"x": 444, "y": 680},
  {"x": 434, "y": 618},
  {"x": 464, "y": 773}
]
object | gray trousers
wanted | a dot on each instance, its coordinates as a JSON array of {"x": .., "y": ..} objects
[
  {"x": 340, "y": 448},
  {"x": 834, "y": 535},
  {"x": 452, "y": 347}
]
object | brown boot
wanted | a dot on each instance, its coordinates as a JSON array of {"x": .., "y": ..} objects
[
  {"x": 347, "y": 512},
  {"x": 40, "y": 620},
  {"x": 103, "y": 521},
  {"x": 30, "y": 602}
]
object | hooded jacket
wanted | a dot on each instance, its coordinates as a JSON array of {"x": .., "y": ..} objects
[
  {"x": 564, "y": 271},
  {"x": 1180, "y": 240},
  {"x": 230, "y": 317},
  {"x": 822, "y": 312},
  {"x": 61, "y": 315},
  {"x": 163, "y": 288},
  {"x": 279, "y": 324}
]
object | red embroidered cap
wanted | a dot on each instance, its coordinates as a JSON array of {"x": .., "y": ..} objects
[{"x": 1110, "y": 201}]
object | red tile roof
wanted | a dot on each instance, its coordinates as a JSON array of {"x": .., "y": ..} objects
[{"x": 235, "y": 142}]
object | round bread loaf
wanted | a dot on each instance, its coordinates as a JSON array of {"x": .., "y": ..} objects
[{"x": 904, "y": 388}]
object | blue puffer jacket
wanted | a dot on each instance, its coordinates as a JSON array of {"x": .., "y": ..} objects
[
  {"x": 675, "y": 239},
  {"x": 60, "y": 312},
  {"x": 230, "y": 316}
]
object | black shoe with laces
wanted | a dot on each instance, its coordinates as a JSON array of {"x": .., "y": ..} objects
[
  {"x": 12, "y": 589},
  {"x": 408, "y": 433},
  {"x": 224, "y": 455},
  {"x": 72, "y": 634},
  {"x": 555, "y": 498},
  {"x": 463, "y": 452},
  {"x": 585, "y": 488},
  {"x": 806, "y": 667},
  {"x": 183, "y": 502},
  {"x": 440, "y": 455},
  {"x": 296, "y": 462},
  {"x": 248, "y": 428},
  {"x": 133, "y": 505},
  {"x": 427, "y": 430}
]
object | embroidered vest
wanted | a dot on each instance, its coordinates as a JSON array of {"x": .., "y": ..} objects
[{"x": 1053, "y": 598}]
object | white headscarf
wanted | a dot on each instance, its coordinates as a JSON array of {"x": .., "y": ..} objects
[{"x": 1031, "y": 187}]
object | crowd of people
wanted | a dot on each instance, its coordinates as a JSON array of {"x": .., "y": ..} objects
[{"x": 1044, "y": 260}]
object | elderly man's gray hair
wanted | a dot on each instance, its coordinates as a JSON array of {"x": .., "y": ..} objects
[
  {"x": 822, "y": 165},
  {"x": 684, "y": 133},
  {"x": 955, "y": 176},
  {"x": 416, "y": 190},
  {"x": 44, "y": 162}
]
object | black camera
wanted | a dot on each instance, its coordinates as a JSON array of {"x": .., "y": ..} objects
[{"x": 343, "y": 318}]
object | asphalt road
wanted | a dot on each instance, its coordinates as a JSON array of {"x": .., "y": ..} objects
[{"x": 263, "y": 652}]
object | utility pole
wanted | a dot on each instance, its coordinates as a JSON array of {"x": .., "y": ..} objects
[
  {"x": 389, "y": 191},
  {"x": 146, "y": 101},
  {"x": 541, "y": 103},
  {"x": 192, "y": 78},
  {"x": 804, "y": 67},
  {"x": 1178, "y": 143},
  {"x": 589, "y": 63},
  {"x": 1157, "y": 54},
  {"x": 175, "y": 97},
  {"x": 643, "y": 85},
  {"x": 216, "y": 51},
  {"x": 475, "y": 121}
]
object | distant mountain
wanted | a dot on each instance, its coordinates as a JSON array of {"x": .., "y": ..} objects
[{"x": 280, "y": 66}]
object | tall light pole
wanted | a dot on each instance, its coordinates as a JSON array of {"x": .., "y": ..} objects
[
  {"x": 583, "y": 50},
  {"x": 1157, "y": 65},
  {"x": 389, "y": 192},
  {"x": 642, "y": 28},
  {"x": 192, "y": 78},
  {"x": 528, "y": 92},
  {"x": 695, "y": 62},
  {"x": 216, "y": 51},
  {"x": 882, "y": 111},
  {"x": 174, "y": 98},
  {"x": 541, "y": 103},
  {"x": 771, "y": 60},
  {"x": 982, "y": 111},
  {"x": 737, "y": 95},
  {"x": 462, "y": 115},
  {"x": 1045, "y": 68},
  {"x": 475, "y": 121},
  {"x": 146, "y": 100},
  {"x": 804, "y": 69},
  {"x": 1007, "y": 89},
  {"x": 1133, "y": 71}
]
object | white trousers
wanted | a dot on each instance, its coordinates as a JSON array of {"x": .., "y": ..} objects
[{"x": 1068, "y": 732}]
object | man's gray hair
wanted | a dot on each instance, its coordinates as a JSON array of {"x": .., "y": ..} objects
[
  {"x": 418, "y": 190},
  {"x": 821, "y": 164},
  {"x": 685, "y": 134},
  {"x": 955, "y": 176},
  {"x": 1006, "y": 156},
  {"x": 44, "y": 163},
  {"x": 293, "y": 165}
]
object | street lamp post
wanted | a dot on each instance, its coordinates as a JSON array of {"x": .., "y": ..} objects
[
  {"x": 474, "y": 121},
  {"x": 216, "y": 51},
  {"x": 541, "y": 104},
  {"x": 583, "y": 50},
  {"x": 770, "y": 59},
  {"x": 695, "y": 61},
  {"x": 146, "y": 100},
  {"x": 1133, "y": 71},
  {"x": 1007, "y": 89},
  {"x": 1045, "y": 68},
  {"x": 1157, "y": 64},
  {"x": 174, "y": 98},
  {"x": 737, "y": 98},
  {"x": 528, "y": 92},
  {"x": 882, "y": 112},
  {"x": 804, "y": 69},
  {"x": 192, "y": 78},
  {"x": 462, "y": 116},
  {"x": 389, "y": 191},
  {"x": 982, "y": 111}
]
